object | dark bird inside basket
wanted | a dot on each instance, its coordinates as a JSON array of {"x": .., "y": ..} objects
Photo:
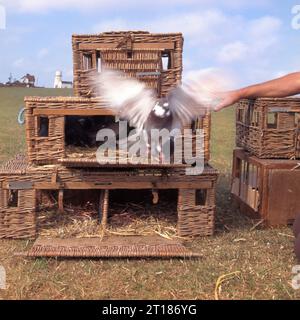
[
  {"x": 133, "y": 101},
  {"x": 81, "y": 131}
]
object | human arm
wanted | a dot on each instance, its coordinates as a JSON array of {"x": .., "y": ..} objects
[{"x": 278, "y": 88}]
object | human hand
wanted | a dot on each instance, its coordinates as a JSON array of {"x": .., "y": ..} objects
[{"x": 227, "y": 99}]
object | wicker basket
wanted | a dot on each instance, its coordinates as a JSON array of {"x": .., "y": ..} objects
[
  {"x": 269, "y": 128},
  {"x": 17, "y": 202},
  {"x": 266, "y": 189},
  {"x": 51, "y": 164},
  {"x": 196, "y": 211},
  {"x": 156, "y": 59},
  {"x": 195, "y": 208},
  {"x": 51, "y": 147}
]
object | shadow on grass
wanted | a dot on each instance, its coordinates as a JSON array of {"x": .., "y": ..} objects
[{"x": 228, "y": 217}]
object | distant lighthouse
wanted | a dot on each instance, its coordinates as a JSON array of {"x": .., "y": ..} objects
[{"x": 58, "y": 80}]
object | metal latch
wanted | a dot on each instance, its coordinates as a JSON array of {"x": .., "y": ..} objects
[
  {"x": 146, "y": 74},
  {"x": 20, "y": 185}
]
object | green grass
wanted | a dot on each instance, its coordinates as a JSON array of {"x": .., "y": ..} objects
[
  {"x": 264, "y": 257},
  {"x": 12, "y": 136},
  {"x": 223, "y": 142}
]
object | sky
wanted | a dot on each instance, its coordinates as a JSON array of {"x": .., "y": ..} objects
[{"x": 253, "y": 40}]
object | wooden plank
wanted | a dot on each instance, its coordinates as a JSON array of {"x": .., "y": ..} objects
[
  {"x": 74, "y": 112},
  {"x": 61, "y": 201},
  {"x": 47, "y": 186},
  {"x": 135, "y": 46},
  {"x": 268, "y": 163},
  {"x": 283, "y": 199},
  {"x": 142, "y": 185},
  {"x": 103, "y": 206},
  {"x": 80, "y": 162},
  {"x": 244, "y": 207},
  {"x": 125, "y": 185},
  {"x": 112, "y": 246}
]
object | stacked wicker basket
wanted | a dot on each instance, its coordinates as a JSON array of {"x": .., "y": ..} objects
[
  {"x": 51, "y": 165},
  {"x": 266, "y": 175}
]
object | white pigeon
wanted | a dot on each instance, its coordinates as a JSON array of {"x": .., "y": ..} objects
[{"x": 133, "y": 101}]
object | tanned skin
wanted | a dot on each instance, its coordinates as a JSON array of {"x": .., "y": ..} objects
[{"x": 288, "y": 85}]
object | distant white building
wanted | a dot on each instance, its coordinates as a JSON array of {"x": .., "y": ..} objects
[
  {"x": 28, "y": 80},
  {"x": 59, "y": 83},
  {"x": 58, "y": 79}
]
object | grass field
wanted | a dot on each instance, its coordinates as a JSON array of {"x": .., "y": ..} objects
[{"x": 261, "y": 259}]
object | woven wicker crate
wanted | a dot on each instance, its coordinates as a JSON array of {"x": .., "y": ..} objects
[
  {"x": 17, "y": 202},
  {"x": 195, "y": 208},
  {"x": 196, "y": 211},
  {"x": 266, "y": 189},
  {"x": 51, "y": 147},
  {"x": 269, "y": 128},
  {"x": 139, "y": 54}
]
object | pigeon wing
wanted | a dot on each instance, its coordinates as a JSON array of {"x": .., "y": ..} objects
[
  {"x": 184, "y": 107},
  {"x": 128, "y": 97}
]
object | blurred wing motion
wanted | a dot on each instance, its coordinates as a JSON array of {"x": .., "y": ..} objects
[
  {"x": 128, "y": 97},
  {"x": 133, "y": 101},
  {"x": 184, "y": 106}
]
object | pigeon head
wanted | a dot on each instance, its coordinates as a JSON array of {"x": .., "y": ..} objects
[{"x": 161, "y": 108}]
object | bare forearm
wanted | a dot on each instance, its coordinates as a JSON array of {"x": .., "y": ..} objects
[
  {"x": 288, "y": 85},
  {"x": 282, "y": 87}
]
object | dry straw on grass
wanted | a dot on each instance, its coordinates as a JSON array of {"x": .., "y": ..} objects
[
  {"x": 127, "y": 219},
  {"x": 222, "y": 279}
]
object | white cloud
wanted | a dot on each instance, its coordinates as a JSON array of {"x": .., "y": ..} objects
[
  {"x": 233, "y": 52},
  {"x": 264, "y": 26},
  {"x": 46, "y": 5},
  {"x": 192, "y": 74},
  {"x": 198, "y": 26},
  {"x": 213, "y": 37},
  {"x": 201, "y": 27},
  {"x": 258, "y": 37},
  {"x": 205, "y": 27},
  {"x": 214, "y": 79},
  {"x": 219, "y": 39},
  {"x": 264, "y": 32},
  {"x": 229, "y": 38}
]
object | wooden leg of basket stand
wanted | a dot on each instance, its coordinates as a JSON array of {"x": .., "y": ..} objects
[
  {"x": 103, "y": 207},
  {"x": 155, "y": 196},
  {"x": 61, "y": 201}
]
